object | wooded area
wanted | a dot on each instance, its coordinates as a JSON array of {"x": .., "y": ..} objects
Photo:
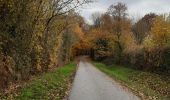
[
  {"x": 116, "y": 39},
  {"x": 37, "y": 35}
]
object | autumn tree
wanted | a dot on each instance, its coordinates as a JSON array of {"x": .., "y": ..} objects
[
  {"x": 120, "y": 25},
  {"x": 157, "y": 45},
  {"x": 106, "y": 22},
  {"x": 159, "y": 34},
  {"x": 71, "y": 36},
  {"x": 142, "y": 27}
]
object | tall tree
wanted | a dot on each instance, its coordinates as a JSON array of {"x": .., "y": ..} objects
[{"x": 118, "y": 12}]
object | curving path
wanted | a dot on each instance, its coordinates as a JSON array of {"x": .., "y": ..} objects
[{"x": 92, "y": 84}]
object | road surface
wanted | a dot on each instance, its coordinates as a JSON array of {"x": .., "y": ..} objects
[{"x": 92, "y": 84}]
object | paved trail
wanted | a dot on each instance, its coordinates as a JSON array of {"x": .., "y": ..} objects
[{"x": 92, "y": 84}]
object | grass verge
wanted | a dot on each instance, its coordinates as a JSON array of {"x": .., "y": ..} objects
[
  {"x": 147, "y": 85},
  {"x": 49, "y": 86}
]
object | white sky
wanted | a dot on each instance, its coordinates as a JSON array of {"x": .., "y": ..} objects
[{"x": 136, "y": 8}]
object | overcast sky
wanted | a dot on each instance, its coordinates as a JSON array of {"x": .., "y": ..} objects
[{"x": 136, "y": 8}]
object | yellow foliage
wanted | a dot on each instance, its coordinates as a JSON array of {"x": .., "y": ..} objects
[
  {"x": 159, "y": 35},
  {"x": 78, "y": 31},
  {"x": 160, "y": 32}
]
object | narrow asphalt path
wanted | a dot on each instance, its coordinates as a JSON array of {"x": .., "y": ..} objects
[{"x": 92, "y": 84}]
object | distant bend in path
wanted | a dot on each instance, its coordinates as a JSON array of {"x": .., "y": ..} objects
[{"x": 92, "y": 84}]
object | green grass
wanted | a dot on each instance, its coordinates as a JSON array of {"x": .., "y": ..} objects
[
  {"x": 50, "y": 86},
  {"x": 147, "y": 85}
]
